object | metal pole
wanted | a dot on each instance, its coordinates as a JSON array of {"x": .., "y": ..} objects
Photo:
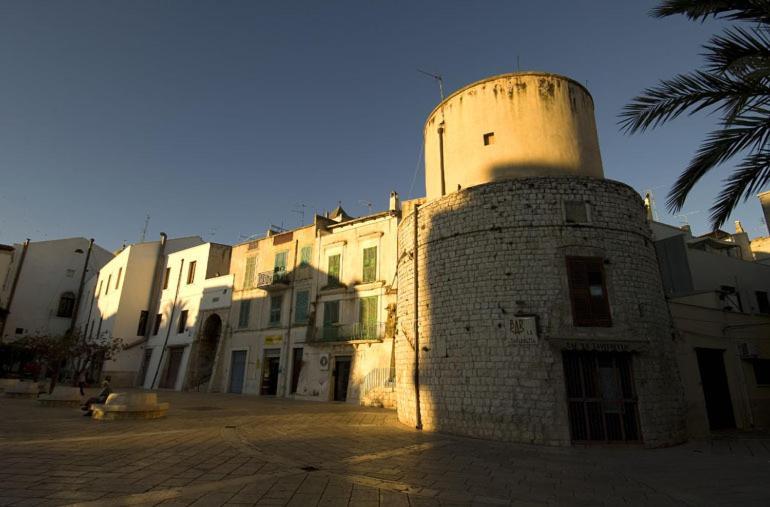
[
  {"x": 80, "y": 288},
  {"x": 13, "y": 288},
  {"x": 418, "y": 414}
]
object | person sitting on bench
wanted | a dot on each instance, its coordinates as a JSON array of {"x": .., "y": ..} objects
[{"x": 99, "y": 398}]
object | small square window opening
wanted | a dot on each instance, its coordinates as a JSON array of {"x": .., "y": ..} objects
[{"x": 489, "y": 138}]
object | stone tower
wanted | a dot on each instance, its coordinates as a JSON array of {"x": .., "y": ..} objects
[{"x": 533, "y": 282}]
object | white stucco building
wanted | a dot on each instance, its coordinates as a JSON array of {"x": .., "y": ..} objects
[
  {"x": 189, "y": 320},
  {"x": 41, "y": 282},
  {"x": 119, "y": 300}
]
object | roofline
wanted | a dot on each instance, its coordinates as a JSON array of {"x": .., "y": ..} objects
[
  {"x": 364, "y": 218},
  {"x": 501, "y": 76}
]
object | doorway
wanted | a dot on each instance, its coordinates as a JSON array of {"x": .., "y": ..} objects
[
  {"x": 172, "y": 368},
  {"x": 270, "y": 368},
  {"x": 601, "y": 397},
  {"x": 341, "y": 377},
  {"x": 716, "y": 390},
  {"x": 205, "y": 351},
  {"x": 296, "y": 369},
  {"x": 237, "y": 371}
]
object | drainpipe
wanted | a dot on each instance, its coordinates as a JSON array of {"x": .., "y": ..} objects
[
  {"x": 80, "y": 287},
  {"x": 286, "y": 378},
  {"x": 441, "y": 159},
  {"x": 168, "y": 328},
  {"x": 91, "y": 306},
  {"x": 418, "y": 414},
  {"x": 13, "y": 288},
  {"x": 155, "y": 288}
]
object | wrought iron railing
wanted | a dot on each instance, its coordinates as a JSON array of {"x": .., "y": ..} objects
[
  {"x": 267, "y": 278},
  {"x": 351, "y": 332},
  {"x": 378, "y": 377}
]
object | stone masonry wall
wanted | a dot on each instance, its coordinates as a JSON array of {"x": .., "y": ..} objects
[{"x": 492, "y": 251}]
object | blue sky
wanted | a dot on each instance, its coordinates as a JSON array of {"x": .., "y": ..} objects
[{"x": 221, "y": 118}]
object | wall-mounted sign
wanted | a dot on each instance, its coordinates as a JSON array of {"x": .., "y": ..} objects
[
  {"x": 273, "y": 339},
  {"x": 323, "y": 362},
  {"x": 520, "y": 330}
]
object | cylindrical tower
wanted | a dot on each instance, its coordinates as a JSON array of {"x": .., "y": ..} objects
[
  {"x": 510, "y": 126},
  {"x": 539, "y": 307}
]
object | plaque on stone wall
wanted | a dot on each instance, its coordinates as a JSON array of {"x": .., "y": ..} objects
[{"x": 521, "y": 330}]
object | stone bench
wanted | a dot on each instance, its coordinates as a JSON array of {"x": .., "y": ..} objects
[
  {"x": 23, "y": 389},
  {"x": 6, "y": 383},
  {"x": 62, "y": 396},
  {"x": 130, "y": 406}
]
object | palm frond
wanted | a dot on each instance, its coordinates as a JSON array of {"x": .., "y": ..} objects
[
  {"x": 746, "y": 133},
  {"x": 749, "y": 176},
  {"x": 740, "y": 52},
  {"x": 693, "y": 92},
  {"x": 701, "y": 10}
]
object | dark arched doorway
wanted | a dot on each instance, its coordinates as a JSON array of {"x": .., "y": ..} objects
[{"x": 205, "y": 353}]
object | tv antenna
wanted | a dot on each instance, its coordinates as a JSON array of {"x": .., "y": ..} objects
[
  {"x": 438, "y": 78},
  {"x": 367, "y": 204},
  {"x": 278, "y": 228},
  {"x": 683, "y": 216},
  {"x": 299, "y": 209},
  {"x": 144, "y": 230}
]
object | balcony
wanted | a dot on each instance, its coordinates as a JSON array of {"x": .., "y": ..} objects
[
  {"x": 268, "y": 280},
  {"x": 374, "y": 331}
]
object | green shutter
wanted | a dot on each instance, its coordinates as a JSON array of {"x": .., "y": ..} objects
[
  {"x": 333, "y": 274},
  {"x": 248, "y": 277},
  {"x": 300, "y": 314},
  {"x": 305, "y": 253},
  {"x": 280, "y": 262},
  {"x": 370, "y": 264},
  {"x": 243, "y": 316},
  {"x": 275, "y": 309},
  {"x": 367, "y": 317}
]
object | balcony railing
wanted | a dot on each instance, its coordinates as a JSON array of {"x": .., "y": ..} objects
[
  {"x": 268, "y": 279},
  {"x": 352, "y": 332}
]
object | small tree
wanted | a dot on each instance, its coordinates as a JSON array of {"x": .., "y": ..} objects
[{"x": 70, "y": 348}]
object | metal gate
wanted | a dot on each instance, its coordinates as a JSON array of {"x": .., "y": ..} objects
[{"x": 601, "y": 397}]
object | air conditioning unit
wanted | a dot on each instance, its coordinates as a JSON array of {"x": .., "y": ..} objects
[
  {"x": 323, "y": 361},
  {"x": 748, "y": 350}
]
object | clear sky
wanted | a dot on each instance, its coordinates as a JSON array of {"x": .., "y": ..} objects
[{"x": 221, "y": 118}]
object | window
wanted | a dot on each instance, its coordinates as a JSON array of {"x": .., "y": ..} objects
[
  {"x": 333, "y": 273},
  {"x": 588, "y": 291},
  {"x": 331, "y": 312},
  {"x": 275, "y": 309},
  {"x": 182, "y": 326},
  {"x": 305, "y": 253},
  {"x": 117, "y": 280},
  {"x": 251, "y": 269},
  {"x": 762, "y": 371},
  {"x": 66, "y": 305},
  {"x": 142, "y": 327},
  {"x": 303, "y": 301},
  {"x": 280, "y": 262},
  {"x": 156, "y": 324},
  {"x": 99, "y": 291},
  {"x": 107, "y": 288},
  {"x": 489, "y": 138},
  {"x": 191, "y": 272},
  {"x": 367, "y": 317},
  {"x": 243, "y": 315},
  {"x": 762, "y": 302},
  {"x": 370, "y": 264},
  {"x": 166, "y": 278},
  {"x": 575, "y": 212}
]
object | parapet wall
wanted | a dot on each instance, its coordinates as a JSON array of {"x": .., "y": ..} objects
[{"x": 496, "y": 250}]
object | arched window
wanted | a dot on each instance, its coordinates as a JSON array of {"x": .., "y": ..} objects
[{"x": 66, "y": 305}]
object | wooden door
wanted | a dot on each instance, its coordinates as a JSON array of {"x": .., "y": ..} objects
[
  {"x": 172, "y": 368},
  {"x": 341, "y": 377},
  {"x": 237, "y": 371}
]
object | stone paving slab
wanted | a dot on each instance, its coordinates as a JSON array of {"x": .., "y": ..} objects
[{"x": 262, "y": 451}]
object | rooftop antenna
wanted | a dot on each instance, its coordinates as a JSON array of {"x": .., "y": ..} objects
[
  {"x": 144, "y": 230},
  {"x": 438, "y": 78},
  {"x": 367, "y": 204},
  {"x": 279, "y": 228},
  {"x": 299, "y": 209},
  {"x": 518, "y": 66},
  {"x": 683, "y": 216}
]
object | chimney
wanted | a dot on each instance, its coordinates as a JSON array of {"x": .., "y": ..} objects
[
  {"x": 738, "y": 227},
  {"x": 764, "y": 199},
  {"x": 686, "y": 228},
  {"x": 395, "y": 202}
]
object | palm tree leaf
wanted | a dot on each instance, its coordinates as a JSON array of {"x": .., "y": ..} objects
[
  {"x": 750, "y": 176},
  {"x": 701, "y": 10},
  {"x": 740, "y": 52},
  {"x": 750, "y": 133},
  {"x": 694, "y": 92}
]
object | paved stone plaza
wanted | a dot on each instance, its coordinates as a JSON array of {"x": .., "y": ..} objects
[{"x": 230, "y": 450}]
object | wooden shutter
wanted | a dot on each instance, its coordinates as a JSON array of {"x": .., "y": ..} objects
[
  {"x": 588, "y": 291},
  {"x": 370, "y": 264},
  {"x": 248, "y": 277}
]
